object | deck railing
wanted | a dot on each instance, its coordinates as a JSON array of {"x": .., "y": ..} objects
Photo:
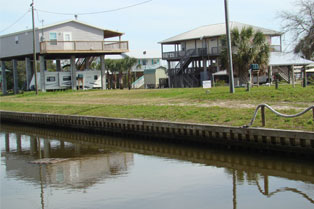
[
  {"x": 77, "y": 46},
  {"x": 214, "y": 51}
]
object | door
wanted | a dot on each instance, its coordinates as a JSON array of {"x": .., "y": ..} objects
[{"x": 68, "y": 44}]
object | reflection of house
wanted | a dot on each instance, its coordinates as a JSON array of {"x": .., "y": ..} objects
[
  {"x": 74, "y": 40},
  {"x": 78, "y": 171}
]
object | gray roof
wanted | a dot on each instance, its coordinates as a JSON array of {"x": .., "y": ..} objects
[
  {"x": 284, "y": 59},
  {"x": 63, "y": 22},
  {"x": 214, "y": 31}
]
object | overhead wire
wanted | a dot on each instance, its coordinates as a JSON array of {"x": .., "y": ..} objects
[
  {"x": 15, "y": 21},
  {"x": 38, "y": 17},
  {"x": 99, "y": 12}
]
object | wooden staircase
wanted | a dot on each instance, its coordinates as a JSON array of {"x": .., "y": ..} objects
[{"x": 283, "y": 74}]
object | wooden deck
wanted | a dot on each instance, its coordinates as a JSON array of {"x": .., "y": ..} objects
[{"x": 72, "y": 47}]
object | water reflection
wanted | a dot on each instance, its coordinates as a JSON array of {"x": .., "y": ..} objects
[
  {"x": 78, "y": 166},
  {"x": 87, "y": 160}
]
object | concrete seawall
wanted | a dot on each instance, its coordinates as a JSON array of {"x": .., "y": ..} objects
[{"x": 257, "y": 138}]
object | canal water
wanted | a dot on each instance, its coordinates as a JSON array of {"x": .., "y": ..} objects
[{"x": 42, "y": 168}]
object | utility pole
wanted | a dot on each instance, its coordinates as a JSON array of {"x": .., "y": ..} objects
[
  {"x": 231, "y": 79},
  {"x": 34, "y": 47}
]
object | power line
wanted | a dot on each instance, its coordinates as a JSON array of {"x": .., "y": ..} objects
[
  {"x": 15, "y": 21},
  {"x": 99, "y": 12},
  {"x": 38, "y": 17}
]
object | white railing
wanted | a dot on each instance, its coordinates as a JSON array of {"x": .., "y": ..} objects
[{"x": 138, "y": 83}]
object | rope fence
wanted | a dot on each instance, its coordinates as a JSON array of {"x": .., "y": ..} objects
[{"x": 262, "y": 107}]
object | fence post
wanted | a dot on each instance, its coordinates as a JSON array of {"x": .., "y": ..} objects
[
  {"x": 263, "y": 116},
  {"x": 276, "y": 83},
  {"x": 313, "y": 114},
  {"x": 248, "y": 86}
]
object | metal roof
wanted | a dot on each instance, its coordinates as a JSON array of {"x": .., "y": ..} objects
[
  {"x": 214, "y": 31},
  {"x": 107, "y": 33},
  {"x": 286, "y": 59}
]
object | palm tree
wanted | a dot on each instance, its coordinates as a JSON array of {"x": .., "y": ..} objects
[
  {"x": 128, "y": 63},
  {"x": 114, "y": 67},
  {"x": 248, "y": 47}
]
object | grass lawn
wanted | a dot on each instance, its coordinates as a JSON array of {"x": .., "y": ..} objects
[{"x": 216, "y": 106}]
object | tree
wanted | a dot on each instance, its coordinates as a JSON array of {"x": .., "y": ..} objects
[
  {"x": 128, "y": 63},
  {"x": 248, "y": 47},
  {"x": 301, "y": 25},
  {"x": 111, "y": 65}
]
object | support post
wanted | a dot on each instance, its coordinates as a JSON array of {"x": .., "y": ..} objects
[
  {"x": 18, "y": 142},
  {"x": 234, "y": 189},
  {"x": 263, "y": 116},
  {"x": 266, "y": 185},
  {"x": 33, "y": 145},
  {"x": 248, "y": 86},
  {"x": 58, "y": 65},
  {"x": 169, "y": 74},
  {"x": 292, "y": 76},
  {"x": 313, "y": 113},
  {"x": 42, "y": 74},
  {"x": 289, "y": 75},
  {"x": 304, "y": 78},
  {"x": 103, "y": 72},
  {"x": 28, "y": 70},
  {"x": 205, "y": 69},
  {"x": 7, "y": 142},
  {"x": 276, "y": 81},
  {"x": 270, "y": 74},
  {"x": 73, "y": 73},
  {"x": 15, "y": 77},
  {"x": 47, "y": 148},
  {"x": 4, "y": 78},
  {"x": 87, "y": 62}
]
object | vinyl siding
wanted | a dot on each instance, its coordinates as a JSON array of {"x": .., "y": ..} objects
[{"x": 8, "y": 47}]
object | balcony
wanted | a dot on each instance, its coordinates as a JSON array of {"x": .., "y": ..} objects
[
  {"x": 84, "y": 47},
  {"x": 199, "y": 52}
]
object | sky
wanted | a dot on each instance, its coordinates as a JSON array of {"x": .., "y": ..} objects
[{"x": 147, "y": 24}]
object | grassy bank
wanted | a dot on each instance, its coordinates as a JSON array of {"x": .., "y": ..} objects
[{"x": 217, "y": 106}]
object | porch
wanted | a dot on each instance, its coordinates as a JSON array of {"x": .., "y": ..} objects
[
  {"x": 198, "y": 52},
  {"x": 73, "y": 47}
]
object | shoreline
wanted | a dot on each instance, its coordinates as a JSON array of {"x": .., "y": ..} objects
[{"x": 277, "y": 140}]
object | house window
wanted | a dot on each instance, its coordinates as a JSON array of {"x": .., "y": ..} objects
[
  {"x": 16, "y": 39},
  {"x": 66, "y": 78},
  {"x": 51, "y": 79},
  {"x": 53, "y": 38},
  {"x": 95, "y": 77},
  {"x": 144, "y": 62}
]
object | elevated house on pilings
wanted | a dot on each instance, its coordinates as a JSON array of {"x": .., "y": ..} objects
[
  {"x": 195, "y": 54},
  {"x": 71, "y": 40}
]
